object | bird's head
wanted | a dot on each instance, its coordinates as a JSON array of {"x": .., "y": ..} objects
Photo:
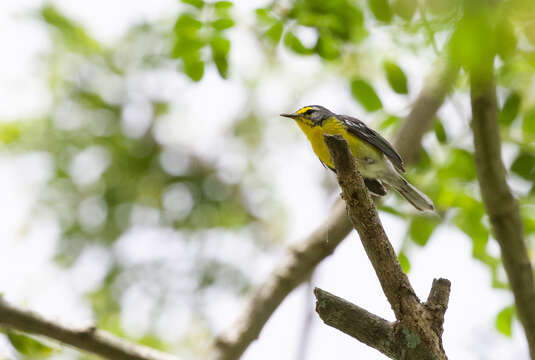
[{"x": 311, "y": 115}]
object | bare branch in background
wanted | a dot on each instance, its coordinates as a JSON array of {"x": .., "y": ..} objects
[
  {"x": 91, "y": 340},
  {"x": 436, "y": 87},
  {"x": 500, "y": 203},
  {"x": 301, "y": 258},
  {"x": 415, "y": 330}
]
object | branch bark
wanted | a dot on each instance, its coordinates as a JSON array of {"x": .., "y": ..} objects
[
  {"x": 499, "y": 201},
  {"x": 363, "y": 215},
  {"x": 371, "y": 329},
  {"x": 302, "y": 258},
  {"x": 94, "y": 341},
  {"x": 353, "y": 320},
  {"x": 415, "y": 330}
]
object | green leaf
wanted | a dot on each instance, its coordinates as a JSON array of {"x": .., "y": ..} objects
[
  {"x": 469, "y": 219},
  {"x": 220, "y": 47},
  {"x": 510, "y": 108},
  {"x": 463, "y": 164},
  {"x": 9, "y": 132},
  {"x": 460, "y": 166},
  {"x": 223, "y": 24},
  {"x": 197, "y": 3},
  {"x": 528, "y": 123},
  {"x": 187, "y": 38},
  {"x": 327, "y": 47},
  {"x": 274, "y": 33},
  {"x": 506, "y": 40},
  {"x": 420, "y": 229},
  {"x": 404, "y": 262},
  {"x": 194, "y": 68},
  {"x": 396, "y": 77},
  {"x": 529, "y": 32},
  {"x": 186, "y": 22},
  {"x": 504, "y": 320},
  {"x": 524, "y": 166},
  {"x": 440, "y": 132},
  {"x": 263, "y": 15},
  {"x": 405, "y": 8},
  {"x": 424, "y": 161},
  {"x": 390, "y": 121},
  {"x": 73, "y": 34},
  {"x": 28, "y": 346},
  {"x": 293, "y": 42},
  {"x": 381, "y": 10},
  {"x": 364, "y": 93},
  {"x": 223, "y": 5},
  {"x": 471, "y": 42}
]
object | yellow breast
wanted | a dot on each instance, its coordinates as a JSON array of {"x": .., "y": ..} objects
[{"x": 331, "y": 126}]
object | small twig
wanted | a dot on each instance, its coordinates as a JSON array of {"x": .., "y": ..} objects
[
  {"x": 437, "y": 303},
  {"x": 90, "y": 339}
]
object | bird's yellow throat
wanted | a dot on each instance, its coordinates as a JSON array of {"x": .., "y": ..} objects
[{"x": 332, "y": 126}]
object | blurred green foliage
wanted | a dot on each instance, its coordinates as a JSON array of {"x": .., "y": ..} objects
[
  {"x": 396, "y": 77},
  {"x": 364, "y": 93},
  {"x": 111, "y": 176},
  {"x": 504, "y": 320},
  {"x": 138, "y": 173},
  {"x": 192, "y": 35},
  {"x": 28, "y": 347}
]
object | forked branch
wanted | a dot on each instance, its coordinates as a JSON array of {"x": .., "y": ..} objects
[
  {"x": 302, "y": 258},
  {"x": 416, "y": 335}
]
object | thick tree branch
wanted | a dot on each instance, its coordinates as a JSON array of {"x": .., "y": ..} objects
[
  {"x": 415, "y": 330},
  {"x": 364, "y": 326},
  {"x": 91, "y": 340},
  {"x": 302, "y": 258},
  {"x": 363, "y": 215},
  {"x": 500, "y": 203}
]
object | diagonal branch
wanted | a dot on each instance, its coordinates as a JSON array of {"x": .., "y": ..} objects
[
  {"x": 501, "y": 205},
  {"x": 91, "y": 340},
  {"x": 363, "y": 215},
  {"x": 353, "y": 320},
  {"x": 302, "y": 258},
  {"x": 415, "y": 329}
]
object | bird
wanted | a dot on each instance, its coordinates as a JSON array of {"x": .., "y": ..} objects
[{"x": 379, "y": 163}]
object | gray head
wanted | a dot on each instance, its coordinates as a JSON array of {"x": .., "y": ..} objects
[{"x": 311, "y": 115}]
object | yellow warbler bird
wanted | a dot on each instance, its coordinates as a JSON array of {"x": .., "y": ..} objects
[{"x": 379, "y": 163}]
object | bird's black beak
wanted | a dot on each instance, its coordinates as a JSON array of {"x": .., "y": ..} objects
[{"x": 291, "y": 116}]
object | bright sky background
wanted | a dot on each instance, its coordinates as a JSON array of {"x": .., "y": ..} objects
[{"x": 29, "y": 278}]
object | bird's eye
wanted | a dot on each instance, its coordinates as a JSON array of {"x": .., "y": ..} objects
[{"x": 308, "y": 112}]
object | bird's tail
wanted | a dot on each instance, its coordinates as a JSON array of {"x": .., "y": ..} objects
[{"x": 417, "y": 198}]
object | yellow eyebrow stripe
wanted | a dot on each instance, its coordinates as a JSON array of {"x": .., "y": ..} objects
[{"x": 303, "y": 110}]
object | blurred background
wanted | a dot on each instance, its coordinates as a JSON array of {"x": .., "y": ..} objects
[{"x": 148, "y": 184}]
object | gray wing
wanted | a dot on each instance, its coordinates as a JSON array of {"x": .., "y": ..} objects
[{"x": 360, "y": 130}]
